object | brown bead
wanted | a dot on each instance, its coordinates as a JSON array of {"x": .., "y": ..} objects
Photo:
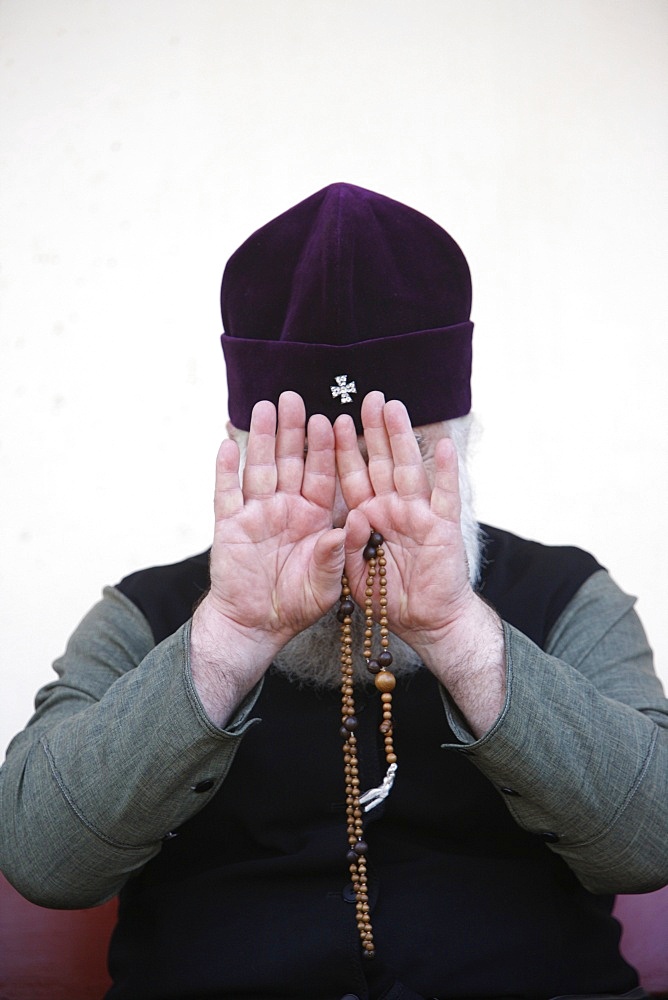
[
  {"x": 385, "y": 681},
  {"x": 376, "y": 579},
  {"x": 347, "y": 607}
]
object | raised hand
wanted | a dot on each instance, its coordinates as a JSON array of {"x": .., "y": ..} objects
[
  {"x": 272, "y": 564},
  {"x": 276, "y": 561},
  {"x": 428, "y": 575},
  {"x": 415, "y": 505}
]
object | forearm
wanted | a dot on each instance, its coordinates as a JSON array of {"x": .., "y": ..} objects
[
  {"x": 92, "y": 787},
  {"x": 470, "y": 662},
  {"x": 225, "y": 664},
  {"x": 577, "y": 752}
]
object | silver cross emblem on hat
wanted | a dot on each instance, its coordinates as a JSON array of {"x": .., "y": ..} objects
[{"x": 343, "y": 388}]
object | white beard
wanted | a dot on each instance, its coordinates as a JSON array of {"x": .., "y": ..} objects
[{"x": 313, "y": 657}]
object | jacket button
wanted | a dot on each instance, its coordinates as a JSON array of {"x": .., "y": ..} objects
[
  {"x": 508, "y": 791},
  {"x": 350, "y": 996},
  {"x": 203, "y": 786},
  {"x": 349, "y": 893},
  {"x": 549, "y": 837}
]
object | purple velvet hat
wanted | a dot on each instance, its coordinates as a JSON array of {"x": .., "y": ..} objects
[{"x": 347, "y": 292}]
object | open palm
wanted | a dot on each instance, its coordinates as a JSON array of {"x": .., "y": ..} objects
[
  {"x": 427, "y": 572},
  {"x": 276, "y": 561}
]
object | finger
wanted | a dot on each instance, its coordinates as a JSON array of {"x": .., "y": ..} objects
[
  {"x": 227, "y": 498},
  {"x": 381, "y": 465},
  {"x": 290, "y": 441},
  {"x": 319, "y": 480},
  {"x": 326, "y": 568},
  {"x": 260, "y": 475},
  {"x": 350, "y": 464},
  {"x": 445, "y": 497},
  {"x": 410, "y": 476},
  {"x": 358, "y": 530}
]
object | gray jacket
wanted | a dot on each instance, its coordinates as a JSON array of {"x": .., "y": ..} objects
[{"x": 116, "y": 753}]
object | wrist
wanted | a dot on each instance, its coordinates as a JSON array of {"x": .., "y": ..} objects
[
  {"x": 226, "y": 660},
  {"x": 468, "y": 658}
]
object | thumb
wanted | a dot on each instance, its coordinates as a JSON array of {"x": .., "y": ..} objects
[
  {"x": 357, "y": 532},
  {"x": 327, "y": 567}
]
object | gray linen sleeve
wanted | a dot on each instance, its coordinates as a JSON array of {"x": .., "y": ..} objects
[
  {"x": 580, "y": 750},
  {"x": 119, "y": 752}
]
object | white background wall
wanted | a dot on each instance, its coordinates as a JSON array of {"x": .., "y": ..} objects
[{"x": 143, "y": 140}]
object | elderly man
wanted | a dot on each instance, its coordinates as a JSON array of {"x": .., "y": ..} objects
[{"x": 364, "y": 747}]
